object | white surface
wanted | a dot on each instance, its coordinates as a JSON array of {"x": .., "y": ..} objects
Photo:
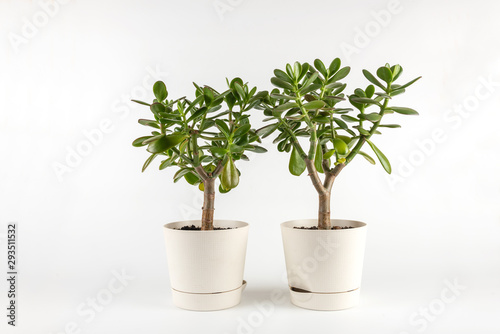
[{"x": 440, "y": 222}]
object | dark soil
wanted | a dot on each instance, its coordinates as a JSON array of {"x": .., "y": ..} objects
[
  {"x": 196, "y": 228},
  {"x": 316, "y": 228}
]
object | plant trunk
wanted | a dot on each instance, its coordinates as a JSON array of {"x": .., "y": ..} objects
[
  {"x": 207, "y": 218},
  {"x": 324, "y": 222}
]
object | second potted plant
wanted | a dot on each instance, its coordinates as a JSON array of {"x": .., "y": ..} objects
[
  {"x": 204, "y": 138},
  {"x": 324, "y": 256}
]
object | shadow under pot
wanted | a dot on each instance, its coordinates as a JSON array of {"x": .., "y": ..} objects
[
  {"x": 206, "y": 267},
  {"x": 324, "y": 266}
]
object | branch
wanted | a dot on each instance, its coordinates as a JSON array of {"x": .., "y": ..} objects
[
  {"x": 201, "y": 172},
  {"x": 217, "y": 170},
  {"x": 313, "y": 174}
]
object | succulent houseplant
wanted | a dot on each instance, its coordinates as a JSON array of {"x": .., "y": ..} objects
[
  {"x": 202, "y": 138},
  {"x": 307, "y": 103}
]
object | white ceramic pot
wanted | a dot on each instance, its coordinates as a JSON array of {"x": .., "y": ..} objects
[
  {"x": 206, "y": 267},
  {"x": 324, "y": 266}
]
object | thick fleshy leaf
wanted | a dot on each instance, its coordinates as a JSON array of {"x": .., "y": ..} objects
[
  {"x": 340, "y": 146},
  {"x": 267, "y": 130},
  {"x": 148, "y": 161},
  {"x": 160, "y": 91},
  {"x": 139, "y": 141},
  {"x": 222, "y": 127},
  {"x": 341, "y": 74},
  {"x": 229, "y": 177},
  {"x": 281, "y": 83},
  {"x": 149, "y": 122},
  {"x": 405, "y": 85},
  {"x": 381, "y": 157},
  {"x": 367, "y": 157},
  {"x": 165, "y": 142},
  {"x": 314, "y": 105},
  {"x": 385, "y": 74},
  {"x": 318, "y": 159},
  {"x": 372, "y": 79},
  {"x": 318, "y": 64},
  {"x": 404, "y": 110},
  {"x": 297, "y": 165}
]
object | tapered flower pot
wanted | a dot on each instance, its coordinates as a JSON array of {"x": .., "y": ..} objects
[
  {"x": 206, "y": 267},
  {"x": 324, "y": 266}
]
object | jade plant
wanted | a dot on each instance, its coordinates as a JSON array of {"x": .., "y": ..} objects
[
  {"x": 308, "y": 102},
  {"x": 203, "y": 137}
]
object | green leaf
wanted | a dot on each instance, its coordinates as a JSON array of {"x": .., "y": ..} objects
[
  {"x": 340, "y": 146},
  {"x": 318, "y": 64},
  {"x": 282, "y": 97},
  {"x": 267, "y": 130},
  {"x": 396, "y": 70},
  {"x": 165, "y": 142},
  {"x": 222, "y": 127},
  {"x": 140, "y": 102},
  {"x": 198, "y": 113},
  {"x": 369, "y": 91},
  {"x": 297, "y": 165},
  {"x": 240, "y": 90},
  {"x": 160, "y": 91},
  {"x": 328, "y": 154},
  {"x": 350, "y": 119},
  {"x": 341, "y": 74},
  {"x": 242, "y": 130},
  {"x": 365, "y": 100},
  {"x": 372, "y": 79},
  {"x": 406, "y": 85},
  {"x": 218, "y": 152},
  {"x": 192, "y": 178},
  {"x": 310, "y": 88},
  {"x": 208, "y": 96},
  {"x": 281, "y": 83},
  {"x": 255, "y": 148},
  {"x": 385, "y": 74},
  {"x": 149, "y": 122},
  {"x": 181, "y": 172},
  {"x": 333, "y": 85},
  {"x": 404, "y": 110},
  {"x": 318, "y": 159},
  {"x": 334, "y": 66},
  {"x": 139, "y": 141},
  {"x": 341, "y": 123},
  {"x": 381, "y": 157},
  {"x": 229, "y": 177},
  {"x": 367, "y": 157},
  {"x": 283, "y": 76},
  {"x": 314, "y": 105},
  {"x": 222, "y": 190},
  {"x": 372, "y": 117},
  {"x": 393, "y": 126},
  {"x": 148, "y": 161},
  {"x": 286, "y": 106}
]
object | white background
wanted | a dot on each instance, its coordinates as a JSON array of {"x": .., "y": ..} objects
[{"x": 437, "y": 219}]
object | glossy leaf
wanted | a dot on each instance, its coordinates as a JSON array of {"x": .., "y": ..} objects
[
  {"x": 139, "y": 141},
  {"x": 372, "y": 79},
  {"x": 281, "y": 83},
  {"x": 341, "y": 74},
  {"x": 340, "y": 146},
  {"x": 381, "y": 157},
  {"x": 148, "y": 161},
  {"x": 160, "y": 91},
  {"x": 385, "y": 74},
  {"x": 229, "y": 177},
  {"x": 297, "y": 165},
  {"x": 406, "y": 85},
  {"x": 318, "y": 159},
  {"x": 367, "y": 157},
  {"x": 404, "y": 110},
  {"x": 165, "y": 142},
  {"x": 149, "y": 122},
  {"x": 314, "y": 105}
]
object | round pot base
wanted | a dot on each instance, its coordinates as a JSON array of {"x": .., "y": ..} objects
[
  {"x": 208, "y": 301},
  {"x": 324, "y": 301}
]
